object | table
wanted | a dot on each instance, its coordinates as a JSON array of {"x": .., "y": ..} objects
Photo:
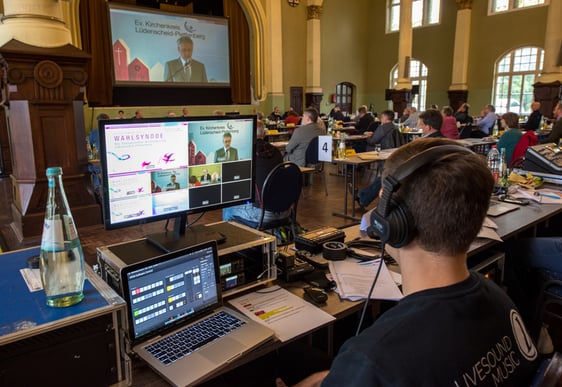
[
  {"x": 355, "y": 160},
  {"x": 38, "y": 341},
  {"x": 479, "y": 145},
  {"x": 411, "y": 135}
]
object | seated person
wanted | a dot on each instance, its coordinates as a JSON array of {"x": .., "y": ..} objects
[
  {"x": 94, "y": 144},
  {"x": 193, "y": 181},
  {"x": 275, "y": 114},
  {"x": 451, "y": 319},
  {"x": 534, "y": 120},
  {"x": 511, "y": 136},
  {"x": 364, "y": 119},
  {"x": 449, "y": 128},
  {"x": 462, "y": 115},
  {"x": 292, "y": 118},
  {"x": 267, "y": 158},
  {"x": 487, "y": 120},
  {"x": 205, "y": 177},
  {"x": 369, "y": 193},
  {"x": 412, "y": 120},
  {"x": 556, "y": 132},
  {"x": 296, "y": 148},
  {"x": 384, "y": 133},
  {"x": 336, "y": 113},
  {"x": 94, "y": 136}
]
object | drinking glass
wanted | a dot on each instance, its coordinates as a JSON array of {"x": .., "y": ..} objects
[{"x": 378, "y": 148}]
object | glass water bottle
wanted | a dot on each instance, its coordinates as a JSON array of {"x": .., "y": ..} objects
[{"x": 62, "y": 259}]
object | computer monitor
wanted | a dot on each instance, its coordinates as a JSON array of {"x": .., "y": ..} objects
[{"x": 161, "y": 168}]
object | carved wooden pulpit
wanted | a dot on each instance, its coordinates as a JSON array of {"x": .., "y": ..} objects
[{"x": 43, "y": 92}]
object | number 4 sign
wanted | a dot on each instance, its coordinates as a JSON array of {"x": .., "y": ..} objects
[{"x": 325, "y": 148}]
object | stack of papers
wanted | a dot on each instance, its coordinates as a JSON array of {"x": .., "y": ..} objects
[
  {"x": 354, "y": 279},
  {"x": 277, "y": 308}
]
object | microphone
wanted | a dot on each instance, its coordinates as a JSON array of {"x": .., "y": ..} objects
[{"x": 181, "y": 69}]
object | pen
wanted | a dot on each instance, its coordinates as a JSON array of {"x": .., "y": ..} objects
[
  {"x": 370, "y": 262},
  {"x": 549, "y": 196}
]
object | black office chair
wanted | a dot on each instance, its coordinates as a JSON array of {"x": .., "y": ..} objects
[
  {"x": 280, "y": 193},
  {"x": 311, "y": 160}
]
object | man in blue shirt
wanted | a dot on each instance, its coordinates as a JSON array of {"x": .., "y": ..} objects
[{"x": 488, "y": 119}]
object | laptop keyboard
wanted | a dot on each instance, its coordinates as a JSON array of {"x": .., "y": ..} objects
[{"x": 182, "y": 343}]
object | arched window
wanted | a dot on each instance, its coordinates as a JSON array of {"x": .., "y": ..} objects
[
  {"x": 418, "y": 77},
  {"x": 515, "y": 74}
]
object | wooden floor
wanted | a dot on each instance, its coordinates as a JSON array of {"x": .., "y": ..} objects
[{"x": 314, "y": 211}]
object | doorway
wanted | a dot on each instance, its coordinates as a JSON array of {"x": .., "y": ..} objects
[{"x": 296, "y": 98}]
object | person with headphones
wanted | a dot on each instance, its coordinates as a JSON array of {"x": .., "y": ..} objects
[{"x": 453, "y": 326}]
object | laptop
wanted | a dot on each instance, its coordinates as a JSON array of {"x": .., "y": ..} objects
[
  {"x": 497, "y": 208},
  {"x": 170, "y": 295}
]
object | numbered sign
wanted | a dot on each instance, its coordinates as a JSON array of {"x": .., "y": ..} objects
[{"x": 325, "y": 148}]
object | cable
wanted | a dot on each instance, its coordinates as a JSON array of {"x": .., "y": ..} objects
[
  {"x": 369, "y": 295},
  {"x": 368, "y": 244}
]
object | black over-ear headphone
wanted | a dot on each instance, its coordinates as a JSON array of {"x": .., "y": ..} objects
[{"x": 392, "y": 221}]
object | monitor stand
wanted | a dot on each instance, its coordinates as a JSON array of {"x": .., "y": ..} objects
[{"x": 183, "y": 236}]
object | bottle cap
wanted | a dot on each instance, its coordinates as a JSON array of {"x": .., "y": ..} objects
[{"x": 54, "y": 171}]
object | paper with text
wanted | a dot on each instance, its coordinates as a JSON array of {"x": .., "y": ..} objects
[
  {"x": 354, "y": 278},
  {"x": 287, "y": 314}
]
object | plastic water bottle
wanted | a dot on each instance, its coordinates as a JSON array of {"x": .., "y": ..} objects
[
  {"x": 494, "y": 163},
  {"x": 495, "y": 129},
  {"x": 61, "y": 256},
  {"x": 341, "y": 149}
]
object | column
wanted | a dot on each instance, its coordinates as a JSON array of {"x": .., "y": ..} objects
[
  {"x": 549, "y": 84},
  {"x": 405, "y": 45},
  {"x": 275, "y": 54},
  {"x": 313, "y": 90},
  {"x": 402, "y": 96},
  {"x": 35, "y": 22},
  {"x": 43, "y": 78},
  {"x": 458, "y": 91}
]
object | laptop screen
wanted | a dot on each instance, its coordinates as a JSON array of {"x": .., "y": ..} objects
[{"x": 171, "y": 289}]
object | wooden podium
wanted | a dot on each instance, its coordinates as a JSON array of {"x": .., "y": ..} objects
[{"x": 43, "y": 93}]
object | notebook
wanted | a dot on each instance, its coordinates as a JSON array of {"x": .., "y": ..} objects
[
  {"x": 499, "y": 208},
  {"x": 171, "y": 293}
]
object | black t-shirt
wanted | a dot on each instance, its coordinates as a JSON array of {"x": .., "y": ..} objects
[{"x": 466, "y": 334}]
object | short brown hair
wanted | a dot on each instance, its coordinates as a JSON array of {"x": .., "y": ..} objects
[
  {"x": 432, "y": 118},
  {"x": 448, "y": 198},
  {"x": 511, "y": 119},
  {"x": 312, "y": 113}
]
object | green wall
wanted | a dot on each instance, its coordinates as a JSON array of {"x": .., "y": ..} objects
[{"x": 356, "y": 48}]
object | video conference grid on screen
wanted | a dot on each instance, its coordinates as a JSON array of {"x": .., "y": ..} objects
[{"x": 161, "y": 168}]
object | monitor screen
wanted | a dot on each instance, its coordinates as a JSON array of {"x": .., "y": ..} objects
[
  {"x": 151, "y": 47},
  {"x": 158, "y": 168}
]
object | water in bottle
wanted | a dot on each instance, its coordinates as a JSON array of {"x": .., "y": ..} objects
[
  {"x": 61, "y": 256},
  {"x": 493, "y": 158},
  {"x": 341, "y": 149}
]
